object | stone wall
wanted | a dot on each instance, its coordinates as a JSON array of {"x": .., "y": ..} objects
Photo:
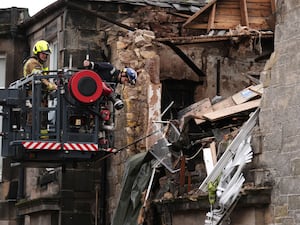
[
  {"x": 142, "y": 101},
  {"x": 12, "y": 41},
  {"x": 279, "y": 118}
]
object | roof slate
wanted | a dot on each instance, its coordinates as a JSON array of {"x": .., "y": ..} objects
[
  {"x": 167, "y": 2},
  {"x": 180, "y": 5},
  {"x": 192, "y": 6}
]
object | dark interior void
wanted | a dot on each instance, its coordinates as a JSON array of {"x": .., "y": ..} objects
[{"x": 179, "y": 91}]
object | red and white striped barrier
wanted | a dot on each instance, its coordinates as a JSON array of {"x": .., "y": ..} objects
[
  {"x": 46, "y": 145},
  {"x": 111, "y": 150},
  {"x": 80, "y": 147},
  {"x": 41, "y": 145}
]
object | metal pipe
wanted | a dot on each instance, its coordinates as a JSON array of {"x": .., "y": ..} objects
[
  {"x": 156, "y": 164},
  {"x": 218, "y": 78},
  {"x": 70, "y": 61},
  {"x": 102, "y": 203},
  {"x": 20, "y": 194},
  {"x": 96, "y": 204}
]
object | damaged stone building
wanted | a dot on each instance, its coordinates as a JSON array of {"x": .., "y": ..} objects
[{"x": 219, "y": 76}]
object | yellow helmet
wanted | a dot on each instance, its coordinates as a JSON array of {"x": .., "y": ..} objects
[{"x": 41, "y": 46}]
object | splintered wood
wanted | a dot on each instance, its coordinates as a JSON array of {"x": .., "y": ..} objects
[
  {"x": 232, "y": 110},
  {"x": 195, "y": 111},
  {"x": 248, "y": 98},
  {"x": 247, "y": 94}
]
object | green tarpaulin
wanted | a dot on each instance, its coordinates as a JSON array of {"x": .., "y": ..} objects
[{"x": 135, "y": 180}]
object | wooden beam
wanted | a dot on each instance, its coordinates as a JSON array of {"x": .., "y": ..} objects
[
  {"x": 210, "y": 157},
  {"x": 244, "y": 13},
  {"x": 243, "y": 134},
  {"x": 273, "y": 6},
  {"x": 206, "y": 38},
  {"x": 211, "y": 19},
  {"x": 197, "y": 26},
  {"x": 247, "y": 94},
  {"x": 225, "y": 103},
  {"x": 195, "y": 111},
  {"x": 194, "y": 16},
  {"x": 220, "y": 114}
]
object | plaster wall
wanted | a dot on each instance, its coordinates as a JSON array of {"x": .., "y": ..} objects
[{"x": 234, "y": 65}]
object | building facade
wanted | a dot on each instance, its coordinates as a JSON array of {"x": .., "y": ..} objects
[{"x": 151, "y": 39}]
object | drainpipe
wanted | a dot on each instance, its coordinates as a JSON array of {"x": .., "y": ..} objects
[
  {"x": 102, "y": 194},
  {"x": 96, "y": 204},
  {"x": 218, "y": 83},
  {"x": 20, "y": 194}
]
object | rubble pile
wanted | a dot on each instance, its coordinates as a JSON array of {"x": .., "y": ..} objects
[{"x": 206, "y": 129}]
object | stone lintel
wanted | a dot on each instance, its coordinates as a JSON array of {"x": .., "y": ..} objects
[{"x": 27, "y": 207}]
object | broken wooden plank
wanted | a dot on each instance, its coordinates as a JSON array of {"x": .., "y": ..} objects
[
  {"x": 208, "y": 161},
  {"x": 213, "y": 152},
  {"x": 247, "y": 94},
  {"x": 210, "y": 157},
  {"x": 195, "y": 107},
  {"x": 257, "y": 90},
  {"x": 220, "y": 114},
  {"x": 223, "y": 104},
  {"x": 195, "y": 111},
  {"x": 231, "y": 150}
]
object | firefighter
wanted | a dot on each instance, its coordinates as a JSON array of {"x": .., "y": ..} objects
[
  {"x": 109, "y": 73},
  {"x": 37, "y": 64}
]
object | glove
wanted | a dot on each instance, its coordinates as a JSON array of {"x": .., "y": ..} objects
[{"x": 51, "y": 86}]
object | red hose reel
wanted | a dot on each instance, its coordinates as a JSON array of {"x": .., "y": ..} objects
[{"x": 86, "y": 86}]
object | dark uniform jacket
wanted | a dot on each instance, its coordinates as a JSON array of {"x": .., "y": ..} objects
[{"x": 106, "y": 71}]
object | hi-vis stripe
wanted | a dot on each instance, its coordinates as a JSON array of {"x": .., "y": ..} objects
[{"x": 42, "y": 145}]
